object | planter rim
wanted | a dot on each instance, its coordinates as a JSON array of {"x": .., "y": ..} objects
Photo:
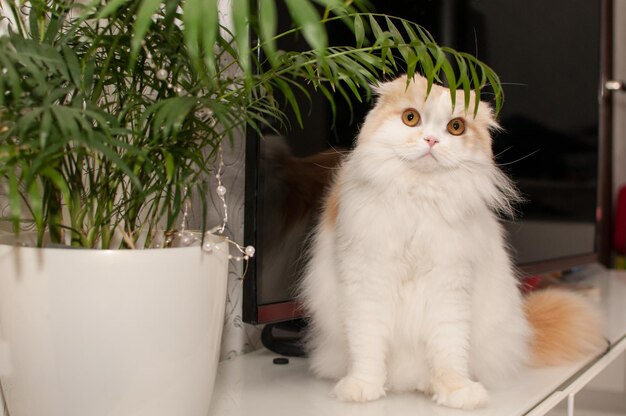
[{"x": 14, "y": 241}]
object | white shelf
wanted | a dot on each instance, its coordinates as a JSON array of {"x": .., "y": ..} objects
[{"x": 252, "y": 384}]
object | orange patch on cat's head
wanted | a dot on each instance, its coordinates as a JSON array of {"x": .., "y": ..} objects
[
  {"x": 399, "y": 94},
  {"x": 417, "y": 89},
  {"x": 392, "y": 97}
]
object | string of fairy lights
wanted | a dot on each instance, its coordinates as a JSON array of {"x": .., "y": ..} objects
[{"x": 187, "y": 237}]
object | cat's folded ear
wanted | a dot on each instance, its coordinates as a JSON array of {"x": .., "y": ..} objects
[
  {"x": 378, "y": 89},
  {"x": 484, "y": 114},
  {"x": 487, "y": 115}
]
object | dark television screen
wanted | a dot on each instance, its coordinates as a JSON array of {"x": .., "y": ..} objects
[{"x": 547, "y": 53}]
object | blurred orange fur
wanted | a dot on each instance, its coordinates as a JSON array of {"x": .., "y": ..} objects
[{"x": 566, "y": 326}]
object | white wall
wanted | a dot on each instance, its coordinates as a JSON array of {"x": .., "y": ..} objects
[{"x": 237, "y": 338}]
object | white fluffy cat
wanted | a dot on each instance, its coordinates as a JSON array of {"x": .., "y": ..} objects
[{"x": 410, "y": 286}]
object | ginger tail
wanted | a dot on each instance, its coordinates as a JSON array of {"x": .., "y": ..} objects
[{"x": 566, "y": 327}]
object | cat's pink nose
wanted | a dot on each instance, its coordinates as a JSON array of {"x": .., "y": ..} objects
[{"x": 431, "y": 140}]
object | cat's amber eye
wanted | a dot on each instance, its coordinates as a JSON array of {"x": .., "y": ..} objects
[
  {"x": 411, "y": 117},
  {"x": 456, "y": 126}
]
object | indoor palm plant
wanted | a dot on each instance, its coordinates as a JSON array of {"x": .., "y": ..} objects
[
  {"x": 112, "y": 115},
  {"x": 111, "y": 112}
]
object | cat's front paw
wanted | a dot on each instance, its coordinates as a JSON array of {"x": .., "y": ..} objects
[
  {"x": 351, "y": 389},
  {"x": 460, "y": 394}
]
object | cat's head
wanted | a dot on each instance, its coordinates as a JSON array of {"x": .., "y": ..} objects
[{"x": 426, "y": 132}]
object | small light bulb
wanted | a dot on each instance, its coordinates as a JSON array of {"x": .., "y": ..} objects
[
  {"x": 187, "y": 239},
  {"x": 162, "y": 74}
]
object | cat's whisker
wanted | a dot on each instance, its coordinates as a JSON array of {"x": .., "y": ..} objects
[
  {"x": 334, "y": 150},
  {"x": 504, "y": 151},
  {"x": 517, "y": 160},
  {"x": 475, "y": 43},
  {"x": 337, "y": 167}
]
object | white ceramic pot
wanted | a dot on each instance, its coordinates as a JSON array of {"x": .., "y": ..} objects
[{"x": 110, "y": 332}]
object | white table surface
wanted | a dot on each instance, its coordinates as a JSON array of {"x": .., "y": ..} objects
[{"x": 253, "y": 385}]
